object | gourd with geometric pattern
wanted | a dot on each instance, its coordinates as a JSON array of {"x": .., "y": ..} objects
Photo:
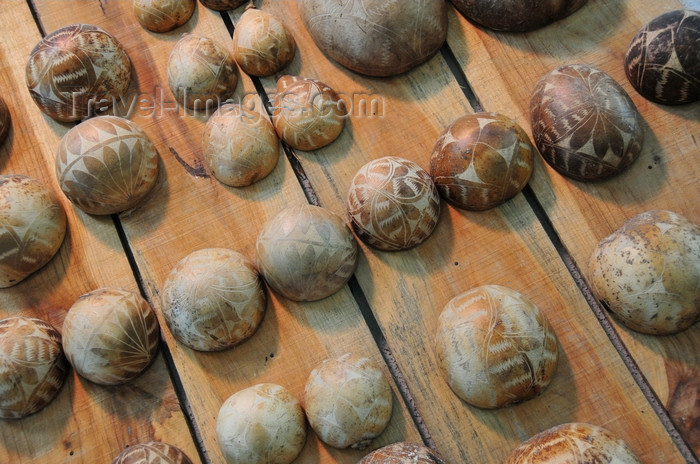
[
  {"x": 516, "y": 15},
  {"x": 75, "y": 70},
  {"x": 153, "y": 452},
  {"x": 32, "y": 366},
  {"x": 163, "y": 15},
  {"x": 106, "y": 165},
  {"x": 402, "y": 453}
]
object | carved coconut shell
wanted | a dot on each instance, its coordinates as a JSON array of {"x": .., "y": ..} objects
[
  {"x": 75, "y": 70},
  {"x": 574, "y": 442},
  {"x": 213, "y": 299},
  {"x": 32, "y": 227},
  {"x": 106, "y": 165},
  {"x": 516, "y": 15},
  {"x": 262, "y": 44},
  {"x": 663, "y": 62},
  {"x": 201, "y": 73},
  {"x": 403, "y": 453},
  {"x": 306, "y": 253},
  {"x": 307, "y": 114},
  {"x": 376, "y": 37},
  {"x": 348, "y": 401},
  {"x": 32, "y": 366},
  {"x": 648, "y": 272},
  {"x": 153, "y": 452},
  {"x": 5, "y": 120},
  {"x": 393, "y": 204},
  {"x": 163, "y": 15},
  {"x": 110, "y": 336},
  {"x": 262, "y": 423},
  {"x": 240, "y": 146},
  {"x": 495, "y": 347},
  {"x": 481, "y": 160},
  {"x": 584, "y": 124}
]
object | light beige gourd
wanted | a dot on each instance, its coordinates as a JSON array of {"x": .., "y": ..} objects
[
  {"x": 163, "y": 15},
  {"x": 262, "y": 424},
  {"x": 106, "y": 165},
  {"x": 240, "y": 146},
  {"x": 32, "y": 227},
  {"x": 213, "y": 299},
  {"x": 33, "y": 367},
  {"x": 110, "y": 336},
  {"x": 262, "y": 44},
  {"x": 495, "y": 347},
  {"x": 348, "y": 401},
  {"x": 306, "y": 253},
  {"x": 647, "y": 272}
]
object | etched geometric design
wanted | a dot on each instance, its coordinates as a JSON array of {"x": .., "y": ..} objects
[
  {"x": 401, "y": 453},
  {"x": 71, "y": 69},
  {"x": 481, "y": 160},
  {"x": 32, "y": 366},
  {"x": 110, "y": 336},
  {"x": 32, "y": 227},
  {"x": 495, "y": 347},
  {"x": 306, "y": 253},
  {"x": 213, "y": 299},
  {"x": 307, "y": 114},
  {"x": 574, "y": 442},
  {"x": 201, "y": 73},
  {"x": 584, "y": 123},
  {"x": 348, "y": 401},
  {"x": 153, "y": 452},
  {"x": 106, "y": 165},
  {"x": 393, "y": 204},
  {"x": 262, "y": 423},
  {"x": 163, "y": 15},
  {"x": 396, "y": 35},
  {"x": 662, "y": 60},
  {"x": 262, "y": 45}
]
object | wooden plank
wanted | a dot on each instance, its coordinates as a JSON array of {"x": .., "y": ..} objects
[
  {"x": 506, "y": 246},
  {"x": 191, "y": 210},
  {"x": 503, "y": 69},
  {"x": 85, "y": 422}
]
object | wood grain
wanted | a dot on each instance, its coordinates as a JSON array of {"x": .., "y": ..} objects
[
  {"x": 665, "y": 176},
  {"x": 86, "y": 422},
  {"x": 190, "y": 210}
]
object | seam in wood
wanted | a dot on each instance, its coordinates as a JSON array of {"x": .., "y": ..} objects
[
  {"x": 602, "y": 317},
  {"x": 35, "y": 16}
]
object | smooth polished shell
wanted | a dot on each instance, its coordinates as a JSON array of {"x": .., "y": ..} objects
[
  {"x": 306, "y": 253},
  {"x": 106, "y": 165},
  {"x": 663, "y": 59},
  {"x": 495, "y": 347},
  {"x": 403, "y": 453},
  {"x": 648, "y": 272},
  {"x": 163, "y": 15},
  {"x": 5, "y": 120},
  {"x": 348, "y": 401},
  {"x": 393, "y": 204},
  {"x": 481, "y": 160},
  {"x": 261, "y": 424},
  {"x": 153, "y": 452},
  {"x": 213, "y": 299},
  {"x": 240, "y": 146},
  {"x": 307, "y": 114},
  {"x": 574, "y": 443},
  {"x": 75, "y": 70},
  {"x": 32, "y": 366},
  {"x": 376, "y": 37},
  {"x": 584, "y": 124},
  {"x": 32, "y": 227},
  {"x": 262, "y": 44},
  {"x": 201, "y": 73},
  {"x": 110, "y": 336},
  {"x": 516, "y": 15}
]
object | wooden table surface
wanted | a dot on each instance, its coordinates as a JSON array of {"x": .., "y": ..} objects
[{"x": 644, "y": 389}]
